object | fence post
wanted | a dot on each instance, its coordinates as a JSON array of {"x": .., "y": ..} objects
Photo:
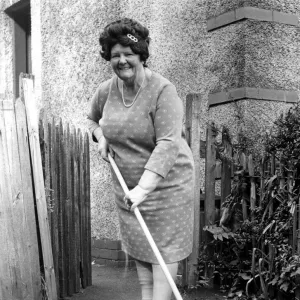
[
  {"x": 210, "y": 166},
  {"x": 193, "y": 102},
  {"x": 226, "y": 165},
  {"x": 210, "y": 179}
]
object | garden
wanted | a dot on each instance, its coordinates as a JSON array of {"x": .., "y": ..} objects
[{"x": 252, "y": 251}]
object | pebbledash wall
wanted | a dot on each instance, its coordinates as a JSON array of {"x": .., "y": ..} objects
[{"x": 241, "y": 57}]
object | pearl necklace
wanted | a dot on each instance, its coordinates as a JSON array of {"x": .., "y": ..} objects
[{"x": 129, "y": 105}]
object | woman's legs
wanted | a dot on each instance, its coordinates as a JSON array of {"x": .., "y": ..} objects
[
  {"x": 161, "y": 286},
  {"x": 153, "y": 281},
  {"x": 145, "y": 276}
]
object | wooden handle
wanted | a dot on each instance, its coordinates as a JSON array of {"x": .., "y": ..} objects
[{"x": 147, "y": 232}]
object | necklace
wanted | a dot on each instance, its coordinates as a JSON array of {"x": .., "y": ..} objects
[{"x": 129, "y": 105}]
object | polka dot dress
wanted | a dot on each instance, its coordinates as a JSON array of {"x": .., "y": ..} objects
[{"x": 148, "y": 135}]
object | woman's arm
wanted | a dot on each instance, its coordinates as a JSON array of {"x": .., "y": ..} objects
[
  {"x": 168, "y": 122},
  {"x": 93, "y": 117},
  {"x": 96, "y": 109}
]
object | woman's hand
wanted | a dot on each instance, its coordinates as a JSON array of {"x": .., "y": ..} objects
[
  {"x": 135, "y": 197},
  {"x": 104, "y": 149}
]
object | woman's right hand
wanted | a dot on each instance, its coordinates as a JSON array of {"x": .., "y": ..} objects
[{"x": 104, "y": 149}]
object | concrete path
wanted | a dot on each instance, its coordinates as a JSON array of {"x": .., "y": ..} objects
[{"x": 110, "y": 283}]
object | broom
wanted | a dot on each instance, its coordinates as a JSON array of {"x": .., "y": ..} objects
[{"x": 146, "y": 232}]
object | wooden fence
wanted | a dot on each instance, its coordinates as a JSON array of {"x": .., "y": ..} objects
[
  {"x": 44, "y": 180},
  {"x": 66, "y": 165},
  {"x": 21, "y": 193}
]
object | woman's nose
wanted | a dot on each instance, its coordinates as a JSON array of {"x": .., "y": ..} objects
[{"x": 122, "y": 59}]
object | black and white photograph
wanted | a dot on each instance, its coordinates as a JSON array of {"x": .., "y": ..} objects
[{"x": 149, "y": 150}]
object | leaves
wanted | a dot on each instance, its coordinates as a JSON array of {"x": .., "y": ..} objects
[
  {"x": 245, "y": 276},
  {"x": 297, "y": 272},
  {"x": 284, "y": 286},
  {"x": 275, "y": 280},
  {"x": 218, "y": 232},
  {"x": 268, "y": 227}
]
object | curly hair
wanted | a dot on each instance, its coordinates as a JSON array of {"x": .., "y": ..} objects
[{"x": 116, "y": 33}]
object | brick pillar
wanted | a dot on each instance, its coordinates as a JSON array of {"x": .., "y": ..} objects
[{"x": 255, "y": 57}]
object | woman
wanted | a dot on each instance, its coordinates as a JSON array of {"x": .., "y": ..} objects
[{"x": 141, "y": 116}]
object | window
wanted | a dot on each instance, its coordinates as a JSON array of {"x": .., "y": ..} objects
[{"x": 20, "y": 13}]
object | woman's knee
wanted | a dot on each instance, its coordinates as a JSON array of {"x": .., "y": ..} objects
[{"x": 158, "y": 273}]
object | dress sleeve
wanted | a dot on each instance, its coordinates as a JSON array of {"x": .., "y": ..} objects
[
  {"x": 96, "y": 109},
  {"x": 168, "y": 129}
]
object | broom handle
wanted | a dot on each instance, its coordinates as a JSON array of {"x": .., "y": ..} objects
[{"x": 147, "y": 232}]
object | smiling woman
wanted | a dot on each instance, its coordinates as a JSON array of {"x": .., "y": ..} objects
[{"x": 137, "y": 117}]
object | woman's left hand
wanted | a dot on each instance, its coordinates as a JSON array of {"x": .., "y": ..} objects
[{"x": 135, "y": 197}]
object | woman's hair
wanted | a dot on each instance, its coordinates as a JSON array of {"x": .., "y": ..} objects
[{"x": 116, "y": 33}]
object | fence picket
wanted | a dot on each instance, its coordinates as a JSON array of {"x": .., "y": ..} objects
[
  {"x": 28, "y": 198},
  {"x": 76, "y": 210},
  {"x": 61, "y": 213},
  {"x": 84, "y": 216},
  {"x": 297, "y": 291},
  {"x": 273, "y": 170},
  {"x": 69, "y": 215},
  {"x": 7, "y": 250},
  {"x": 88, "y": 210},
  {"x": 209, "y": 202},
  {"x": 262, "y": 180},
  {"x": 45, "y": 142},
  {"x": 193, "y": 102},
  {"x": 226, "y": 166},
  {"x": 210, "y": 165},
  {"x": 20, "y": 235},
  {"x": 72, "y": 182},
  {"x": 54, "y": 185},
  {"x": 81, "y": 210},
  {"x": 65, "y": 210}
]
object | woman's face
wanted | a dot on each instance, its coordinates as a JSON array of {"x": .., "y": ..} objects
[{"x": 125, "y": 63}]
